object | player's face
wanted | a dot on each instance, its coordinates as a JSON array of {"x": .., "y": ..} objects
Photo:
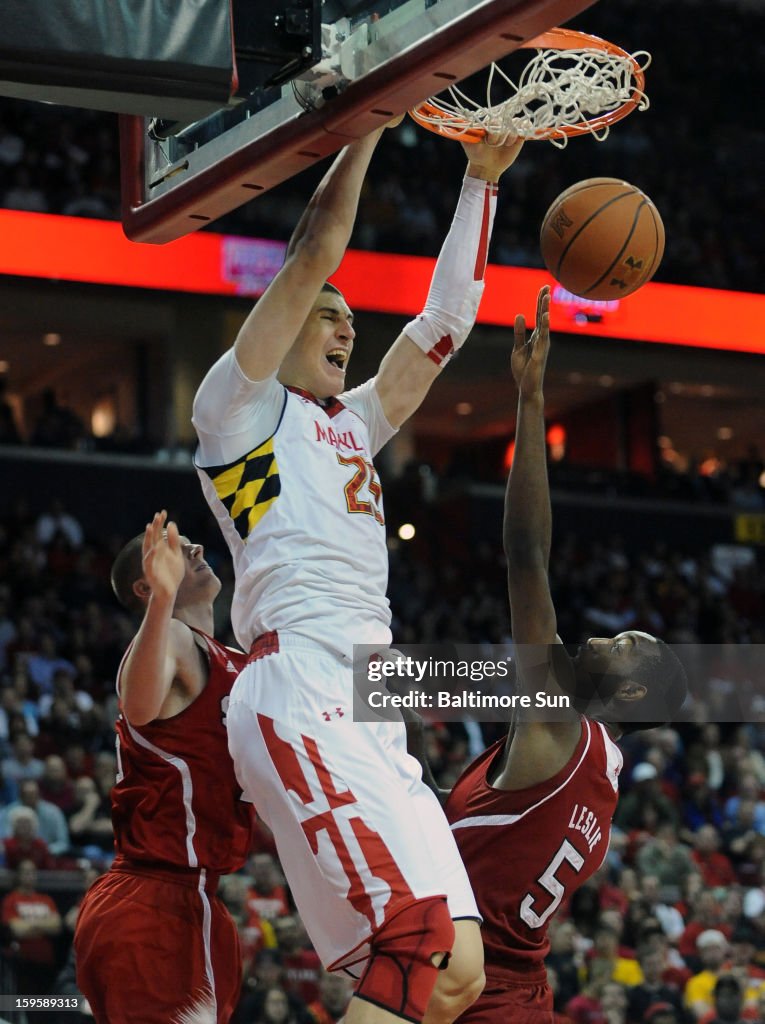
[
  {"x": 319, "y": 358},
  {"x": 199, "y": 582}
]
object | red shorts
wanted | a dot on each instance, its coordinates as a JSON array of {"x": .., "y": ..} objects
[
  {"x": 511, "y": 1002},
  {"x": 152, "y": 943}
]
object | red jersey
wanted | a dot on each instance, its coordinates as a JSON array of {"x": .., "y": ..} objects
[
  {"x": 525, "y": 850},
  {"x": 176, "y": 800}
]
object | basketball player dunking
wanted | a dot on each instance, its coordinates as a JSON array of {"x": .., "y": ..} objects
[
  {"x": 532, "y": 814},
  {"x": 285, "y": 458},
  {"x": 154, "y": 945}
]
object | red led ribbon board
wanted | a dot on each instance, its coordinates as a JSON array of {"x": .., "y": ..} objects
[{"x": 50, "y": 247}]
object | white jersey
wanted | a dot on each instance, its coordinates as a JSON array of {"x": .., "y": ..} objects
[{"x": 293, "y": 487}]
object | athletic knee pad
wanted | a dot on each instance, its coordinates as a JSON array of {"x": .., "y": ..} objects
[{"x": 400, "y": 975}]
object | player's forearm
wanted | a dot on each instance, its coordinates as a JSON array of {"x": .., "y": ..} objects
[
  {"x": 327, "y": 222},
  {"x": 314, "y": 253},
  {"x": 148, "y": 670},
  {"x": 527, "y": 528},
  {"x": 457, "y": 284},
  {"x": 430, "y": 340}
]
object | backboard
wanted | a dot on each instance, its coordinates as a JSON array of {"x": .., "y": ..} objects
[{"x": 378, "y": 59}]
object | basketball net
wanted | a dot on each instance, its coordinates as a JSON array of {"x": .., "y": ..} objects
[{"x": 576, "y": 85}]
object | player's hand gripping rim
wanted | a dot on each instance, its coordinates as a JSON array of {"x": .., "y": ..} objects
[{"x": 529, "y": 357}]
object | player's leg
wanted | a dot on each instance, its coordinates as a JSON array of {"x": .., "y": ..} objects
[
  {"x": 405, "y": 959},
  {"x": 349, "y": 841},
  {"x": 140, "y": 967},
  {"x": 461, "y": 983}
]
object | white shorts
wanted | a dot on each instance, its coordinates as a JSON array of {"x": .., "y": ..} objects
[{"x": 359, "y": 835}]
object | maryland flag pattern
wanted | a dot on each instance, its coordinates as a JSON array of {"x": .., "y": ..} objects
[{"x": 249, "y": 487}]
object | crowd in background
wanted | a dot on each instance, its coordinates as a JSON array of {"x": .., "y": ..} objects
[
  {"x": 692, "y": 152},
  {"x": 708, "y": 479},
  {"x": 679, "y": 902}
]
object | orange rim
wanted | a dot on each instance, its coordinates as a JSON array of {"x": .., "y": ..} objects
[{"x": 553, "y": 39}]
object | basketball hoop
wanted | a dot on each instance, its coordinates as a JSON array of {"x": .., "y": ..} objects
[{"x": 577, "y": 84}]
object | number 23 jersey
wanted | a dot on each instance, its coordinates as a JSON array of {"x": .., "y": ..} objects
[
  {"x": 296, "y": 495},
  {"x": 526, "y": 850}
]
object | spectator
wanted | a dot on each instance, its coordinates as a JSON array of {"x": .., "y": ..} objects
[
  {"x": 623, "y": 969},
  {"x": 335, "y": 991},
  {"x": 22, "y": 764},
  {"x": 728, "y": 1001},
  {"x": 275, "y": 1009},
  {"x": 741, "y": 963},
  {"x": 645, "y": 790},
  {"x": 613, "y": 1002},
  {"x": 748, "y": 789},
  {"x": 255, "y": 934},
  {"x": 56, "y": 426},
  {"x": 300, "y": 962},
  {"x": 712, "y": 948},
  {"x": 700, "y": 805},
  {"x": 267, "y": 895},
  {"x": 563, "y": 958},
  {"x": 706, "y": 915},
  {"x": 9, "y": 431},
  {"x": 585, "y": 1007},
  {"x": 55, "y": 785},
  {"x": 26, "y": 699},
  {"x": 52, "y": 823},
  {"x": 666, "y": 859},
  {"x": 45, "y": 663},
  {"x": 652, "y": 989},
  {"x": 661, "y": 1013},
  {"x": 24, "y": 843},
  {"x": 57, "y": 522},
  {"x": 68, "y": 711},
  {"x": 743, "y": 841},
  {"x": 267, "y": 974},
  {"x": 33, "y": 923},
  {"x": 669, "y": 917},
  {"x": 715, "y": 867},
  {"x": 90, "y": 823}
]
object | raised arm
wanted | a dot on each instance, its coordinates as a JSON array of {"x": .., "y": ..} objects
[
  {"x": 536, "y": 749},
  {"x": 527, "y": 526},
  {"x": 314, "y": 254},
  {"x": 164, "y": 650},
  {"x": 427, "y": 343}
]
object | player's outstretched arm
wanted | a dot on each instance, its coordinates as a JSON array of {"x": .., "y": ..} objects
[
  {"x": 314, "y": 254},
  {"x": 537, "y": 748},
  {"x": 527, "y": 526},
  {"x": 428, "y": 342},
  {"x": 162, "y": 642}
]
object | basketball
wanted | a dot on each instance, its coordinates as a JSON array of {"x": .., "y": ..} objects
[{"x": 602, "y": 238}]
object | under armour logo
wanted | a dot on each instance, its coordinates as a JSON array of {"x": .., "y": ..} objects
[
  {"x": 560, "y": 222},
  {"x": 327, "y": 715},
  {"x": 230, "y": 667}
]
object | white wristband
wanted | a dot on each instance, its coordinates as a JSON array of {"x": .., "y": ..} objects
[{"x": 457, "y": 284}]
